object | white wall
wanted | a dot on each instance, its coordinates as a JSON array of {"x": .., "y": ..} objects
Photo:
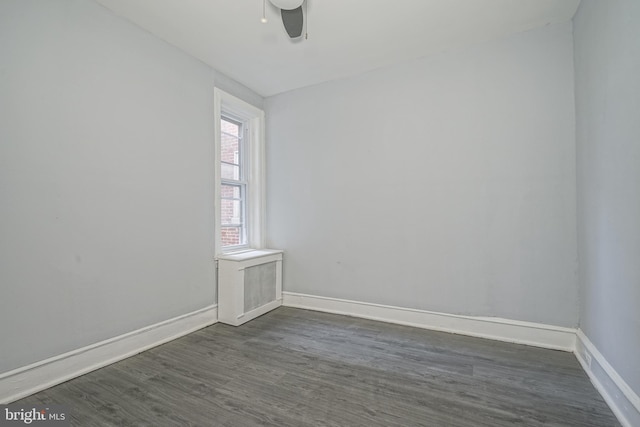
[
  {"x": 607, "y": 56},
  {"x": 106, "y": 178},
  {"x": 445, "y": 184}
]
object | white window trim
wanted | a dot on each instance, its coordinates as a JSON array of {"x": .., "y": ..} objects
[{"x": 255, "y": 209}]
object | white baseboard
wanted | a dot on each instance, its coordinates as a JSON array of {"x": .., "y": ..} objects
[
  {"x": 533, "y": 334},
  {"x": 30, "y": 379},
  {"x": 622, "y": 400}
]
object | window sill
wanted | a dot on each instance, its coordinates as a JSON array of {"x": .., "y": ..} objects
[{"x": 247, "y": 254}]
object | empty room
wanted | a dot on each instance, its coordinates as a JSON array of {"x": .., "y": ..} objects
[{"x": 320, "y": 213}]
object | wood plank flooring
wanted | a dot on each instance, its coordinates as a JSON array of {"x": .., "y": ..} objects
[{"x": 301, "y": 368}]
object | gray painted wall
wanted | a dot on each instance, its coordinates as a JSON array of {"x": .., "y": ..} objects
[
  {"x": 607, "y": 57},
  {"x": 106, "y": 178},
  {"x": 445, "y": 184}
]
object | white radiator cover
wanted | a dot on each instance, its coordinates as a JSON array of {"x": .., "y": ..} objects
[{"x": 249, "y": 285}]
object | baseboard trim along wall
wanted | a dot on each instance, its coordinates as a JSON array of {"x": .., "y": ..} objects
[
  {"x": 533, "y": 334},
  {"x": 41, "y": 375},
  {"x": 622, "y": 400}
]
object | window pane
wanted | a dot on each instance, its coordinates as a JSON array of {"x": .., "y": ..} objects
[
  {"x": 230, "y": 127},
  {"x": 230, "y": 149},
  {"x": 230, "y": 171},
  {"x": 230, "y": 191},
  {"x": 231, "y": 236},
  {"x": 231, "y": 212}
]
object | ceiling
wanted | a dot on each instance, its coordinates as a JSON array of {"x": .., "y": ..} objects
[{"x": 346, "y": 37}]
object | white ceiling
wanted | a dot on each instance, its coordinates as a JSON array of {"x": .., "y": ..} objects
[{"x": 346, "y": 37}]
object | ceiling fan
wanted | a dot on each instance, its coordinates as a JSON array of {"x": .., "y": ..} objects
[{"x": 292, "y": 16}]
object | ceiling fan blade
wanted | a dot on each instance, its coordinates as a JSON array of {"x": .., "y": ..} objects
[{"x": 293, "y": 21}]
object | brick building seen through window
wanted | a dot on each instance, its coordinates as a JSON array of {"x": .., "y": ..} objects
[{"x": 233, "y": 188}]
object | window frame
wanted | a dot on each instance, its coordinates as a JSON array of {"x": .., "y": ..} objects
[{"x": 252, "y": 118}]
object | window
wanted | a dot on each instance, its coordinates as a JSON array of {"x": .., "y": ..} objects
[
  {"x": 233, "y": 184},
  {"x": 239, "y": 174}
]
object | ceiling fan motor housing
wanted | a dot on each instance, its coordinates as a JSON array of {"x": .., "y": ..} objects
[{"x": 287, "y": 4}]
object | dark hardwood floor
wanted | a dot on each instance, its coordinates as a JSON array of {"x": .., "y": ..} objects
[{"x": 295, "y": 367}]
